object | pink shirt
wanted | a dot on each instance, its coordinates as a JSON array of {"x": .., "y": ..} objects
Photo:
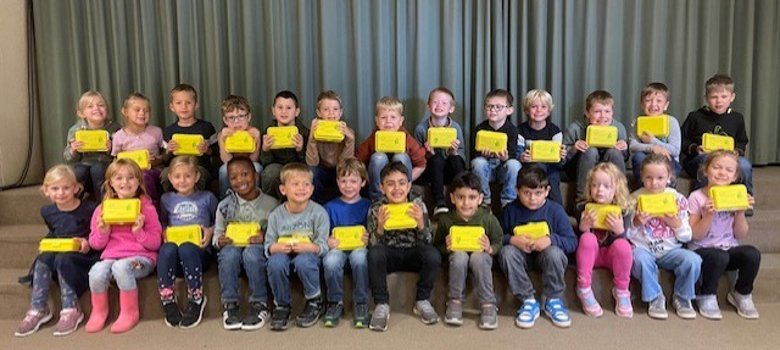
[
  {"x": 721, "y": 232},
  {"x": 121, "y": 242},
  {"x": 151, "y": 138}
]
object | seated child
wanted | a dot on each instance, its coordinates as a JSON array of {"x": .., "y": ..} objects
[
  {"x": 285, "y": 110},
  {"x": 236, "y": 115}
]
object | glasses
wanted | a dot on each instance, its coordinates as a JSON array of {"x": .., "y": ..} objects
[
  {"x": 237, "y": 118},
  {"x": 497, "y": 108}
]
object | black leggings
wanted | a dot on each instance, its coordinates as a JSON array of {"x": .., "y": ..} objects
[
  {"x": 383, "y": 260},
  {"x": 715, "y": 261}
]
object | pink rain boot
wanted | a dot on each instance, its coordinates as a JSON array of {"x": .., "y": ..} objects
[
  {"x": 97, "y": 318},
  {"x": 128, "y": 311}
]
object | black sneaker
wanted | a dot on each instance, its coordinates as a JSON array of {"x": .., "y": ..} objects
[
  {"x": 311, "y": 313},
  {"x": 194, "y": 313},
  {"x": 258, "y": 314},
  {"x": 230, "y": 317},
  {"x": 360, "y": 319},
  {"x": 280, "y": 317},
  {"x": 172, "y": 313},
  {"x": 333, "y": 314}
]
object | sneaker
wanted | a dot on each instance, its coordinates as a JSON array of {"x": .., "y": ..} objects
[
  {"x": 440, "y": 209},
  {"x": 557, "y": 312},
  {"x": 527, "y": 313},
  {"x": 684, "y": 308},
  {"x": 333, "y": 314},
  {"x": 488, "y": 317},
  {"x": 360, "y": 316},
  {"x": 230, "y": 319},
  {"x": 454, "y": 314},
  {"x": 744, "y": 305},
  {"x": 657, "y": 308},
  {"x": 590, "y": 306},
  {"x": 33, "y": 320},
  {"x": 708, "y": 307},
  {"x": 280, "y": 317},
  {"x": 70, "y": 319},
  {"x": 172, "y": 313},
  {"x": 623, "y": 306},
  {"x": 311, "y": 313},
  {"x": 258, "y": 314},
  {"x": 424, "y": 309},
  {"x": 380, "y": 318}
]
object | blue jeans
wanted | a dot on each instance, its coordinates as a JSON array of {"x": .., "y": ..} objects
[
  {"x": 693, "y": 167},
  {"x": 378, "y": 161},
  {"x": 192, "y": 259},
  {"x": 252, "y": 258},
  {"x": 686, "y": 266},
  {"x": 493, "y": 169},
  {"x": 636, "y": 165},
  {"x": 306, "y": 265},
  {"x": 480, "y": 264},
  {"x": 334, "y": 262},
  {"x": 124, "y": 271},
  {"x": 324, "y": 178},
  {"x": 224, "y": 181},
  {"x": 552, "y": 261}
]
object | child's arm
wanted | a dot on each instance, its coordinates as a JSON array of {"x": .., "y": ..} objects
[
  {"x": 417, "y": 155},
  {"x": 495, "y": 234},
  {"x": 701, "y": 216},
  {"x": 682, "y": 231},
  {"x": 71, "y": 154},
  {"x": 255, "y": 155},
  {"x": 321, "y": 231},
  {"x": 690, "y": 145},
  {"x": 220, "y": 224},
  {"x": 740, "y": 221},
  {"x": 440, "y": 235},
  {"x": 99, "y": 231},
  {"x": 349, "y": 142},
  {"x": 562, "y": 233},
  {"x": 312, "y": 155},
  {"x": 572, "y": 141},
  {"x": 224, "y": 156},
  {"x": 150, "y": 234}
]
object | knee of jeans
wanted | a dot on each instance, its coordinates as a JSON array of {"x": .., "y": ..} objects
[
  {"x": 512, "y": 166},
  {"x": 278, "y": 263},
  {"x": 379, "y": 159},
  {"x": 229, "y": 254},
  {"x": 333, "y": 259},
  {"x": 253, "y": 254},
  {"x": 592, "y": 153},
  {"x": 479, "y": 163},
  {"x": 122, "y": 269},
  {"x": 480, "y": 259},
  {"x": 189, "y": 251},
  {"x": 358, "y": 257},
  {"x": 306, "y": 260},
  {"x": 691, "y": 261},
  {"x": 459, "y": 258},
  {"x": 554, "y": 254}
]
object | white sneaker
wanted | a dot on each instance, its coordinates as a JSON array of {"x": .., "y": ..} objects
[
  {"x": 744, "y": 305},
  {"x": 708, "y": 307}
]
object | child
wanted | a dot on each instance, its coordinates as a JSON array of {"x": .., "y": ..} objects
[
  {"x": 90, "y": 167},
  {"x": 580, "y": 157},
  {"x": 389, "y": 116},
  {"x": 716, "y": 238},
  {"x": 537, "y": 105},
  {"x": 243, "y": 203},
  {"x": 66, "y": 217},
  {"x": 186, "y": 206},
  {"x": 400, "y": 249},
  {"x": 236, "y": 115},
  {"x": 138, "y": 134},
  {"x": 348, "y": 210},
  {"x": 548, "y": 253},
  {"x": 658, "y": 243},
  {"x": 654, "y": 99},
  {"x": 443, "y": 163},
  {"x": 285, "y": 110},
  {"x": 467, "y": 199},
  {"x": 129, "y": 250},
  {"x": 716, "y": 117},
  {"x": 502, "y": 166},
  {"x": 605, "y": 184},
  {"x": 297, "y": 217},
  {"x": 323, "y": 157}
]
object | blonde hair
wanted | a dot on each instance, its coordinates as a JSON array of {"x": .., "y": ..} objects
[
  {"x": 295, "y": 168},
  {"x": 186, "y": 161},
  {"x": 389, "y": 103},
  {"x": 351, "y": 166},
  {"x": 712, "y": 156},
  {"x": 60, "y": 172},
  {"x": 88, "y": 97},
  {"x": 717, "y": 82},
  {"x": 114, "y": 168},
  {"x": 329, "y": 95},
  {"x": 537, "y": 95},
  {"x": 599, "y": 96},
  {"x": 621, "y": 198},
  {"x": 135, "y": 96},
  {"x": 234, "y": 102}
]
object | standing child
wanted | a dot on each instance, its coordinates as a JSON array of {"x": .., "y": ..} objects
[
  {"x": 236, "y": 115},
  {"x": 654, "y": 99},
  {"x": 605, "y": 184},
  {"x": 129, "y": 250},
  {"x": 185, "y": 206},
  {"x": 716, "y": 236},
  {"x": 285, "y": 110},
  {"x": 66, "y": 217}
]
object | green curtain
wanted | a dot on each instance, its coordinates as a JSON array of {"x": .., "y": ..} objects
[{"x": 365, "y": 49}]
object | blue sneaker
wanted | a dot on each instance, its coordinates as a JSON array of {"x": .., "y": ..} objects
[
  {"x": 527, "y": 314},
  {"x": 557, "y": 312}
]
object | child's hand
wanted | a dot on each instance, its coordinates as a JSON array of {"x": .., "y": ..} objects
[
  {"x": 484, "y": 244},
  {"x": 259, "y": 238},
  {"x": 225, "y": 133},
  {"x": 563, "y": 152},
  {"x": 84, "y": 245},
  {"x": 708, "y": 208},
  {"x": 349, "y": 134},
  {"x": 540, "y": 244},
  {"x": 448, "y": 242},
  {"x": 139, "y": 223},
  {"x": 268, "y": 141},
  {"x": 314, "y": 123},
  {"x": 526, "y": 156},
  {"x": 428, "y": 147},
  {"x": 203, "y": 147},
  {"x": 487, "y": 153},
  {"x": 699, "y": 149},
  {"x": 208, "y": 233},
  {"x": 417, "y": 214},
  {"x": 305, "y": 248},
  {"x": 102, "y": 227},
  {"x": 751, "y": 203},
  {"x": 615, "y": 223},
  {"x": 255, "y": 133},
  {"x": 298, "y": 142},
  {"x": 172, "y": 146},
  {"x": 333, "y": 243},
  {"x": 75, "y": 146},
  {"x": 621, "y": 145},
  {"x": 581, "y": 145},
  {"x": 661, "y": 151},
  {"x": 503, "y": 155},
  {"x": 587, "y": 219},
  {"x": 453, "y": 150},
  {"x": 364, "y": 237},
  {"x": 521, "y": 242},
  {"x": 641, "y": 218},
  {"x": 223, "y": 241},
  {"x": 646, "y": 137},
  {"x": 672, "y": 220},
  {"x": 381, "y": 218}
]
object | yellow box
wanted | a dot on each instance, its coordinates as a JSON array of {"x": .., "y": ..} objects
[
  {"x": 390, "y": 141},
  {"x": 294, "y": 239},
  {"x": 283, "y": 136},
  {"x": 601, "y": 136},
  {"x": 140, "y": 157},
  {"x": 730, "y": 197},
  {"x": 532, "y": 230},
  {"x": 466, "y": 238},
  {"x": 492, "y": 141},
  {"x": 121, "y": 211},
  {"x": 713, "y": 142},
  {"x": 92, "y": 140},
  {"x": 350, "y": 237},
  {"x": 602, "y": 211},
  {"x": 182, "y": 234},
  {"x": 658, "y": 204},
  {"x": 543, "y": 151},
  {"x": 328, "y": 131},
  {"x": 398, "y": 219},
  {"x": 441, "y": 137},
  {"x": 240, "y": 142},
  {"x": 657, "y": 126},
  {"x": 59, "y": 245},
  {"x": 187, "y": 144},
  {"x": 240, "y": 232}
]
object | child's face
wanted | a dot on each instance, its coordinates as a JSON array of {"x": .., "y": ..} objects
[
  {"x": 285, "y": 111},
  {"x": 441, "y": 105},
  {"x": 242, "y": 179},
  {"x": 237, "y": 119},
  {"x": 497, "y": 109},
  {"x": 655, "y": 177},
  {"x": 183, "y": 178},
  {"x": 94, "y": 112},
  {"x": 389, "y": 120},
  {"x": 297, "y": 187},
  {"x": 602, "y": 188},
  {"x": 183, "y": 104},
  {"x": 538, "y": 111},
  {"x": 599, "y": 114},
  {"x": 533, "y": 198},
  {"x": 62, "y": 192},
  {"x": 124, "y": 183},
  {"x": 655, "y": 103},
  {"x": 722, "y": 171},
  {"x": 396, "y": 187},
  {"x": 350, "y": 185},
  {"x": 720, "y": 100},
  {"x": 467, "y": 201},
  {"x": 137, "y": 112},
  {"x": 329, "y": 110}
]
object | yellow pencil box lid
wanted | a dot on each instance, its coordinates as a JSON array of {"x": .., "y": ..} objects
[
  {"x": 283, "y": 136},
  {"x": 398, "y": 217},
  {"x": 713, "y": 142},
  {"x": 658, "y": 204},
  {"x": 601, "y": 136},
  {"x": 491, "y": 140},
  {"x": 187, "y": 144},
  {"x": 61, "y": 245},
  {"x": 294, "y": 239},
  {"x": 240, "y": 232},
  {"x": 350, "y": 237},
  {"x": 532, "y": 230},
  {"x": 92, "y": 140},
  {"x": 466, "y": 238},
  {"x": 657, "y": 126},
  {"x": 328, "y": 131},
  {"x": 730, "y": 197},
  {"x": 390, "y": 141},
  {"x": 602, "y": 211},
  {"x": 240, "y": 142},
  {"x": 440, "y": 137},
  {"x": 185, "y": 233},
  {"x": 140, "y": 157},
  {"x": 543, "y": 151},
  {"x": 121, "y": 211}
]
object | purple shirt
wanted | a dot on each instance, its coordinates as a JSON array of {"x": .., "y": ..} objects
[
  {"x": 151, "y": 138},
  {"x": 721, "y": 232}
]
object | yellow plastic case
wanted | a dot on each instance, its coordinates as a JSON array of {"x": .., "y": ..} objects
[
  {"x": 398, "y": 219},
  {"x": 350, "y": 237},
  {"x": 294, "y": 239},
  {"x": 491, "y": 140},
  {"x": 93, "y": 140},
  {"x": 328, "y": 131},
  {"x": 730, "y": 197},
  {"x": 187, "y": 144},
  {"x": 390, "y": 141},
  {"x": 601, "y": 136},
  {"x": 182, "y": 234},
  {"x": 466, "y": 238},
  {"x": 543, "y": 151},
  {"x": 657, "y": 126},
  {"x": 121, "y": 211},
  {"x": 713, "y": 142},
  {"x": 440, "y": 137},
  {"x": 240, "y": 232},
  {"x": 59, "y": 245},
  {"x": 240, "y": 142},
  {"x": 602, "y": 211},
  {"x": 532, "y": 230},
  {"x": 658, "y": 204},
  {"x": 283, "y": 136},
  {"x": 140, "y": 157}
]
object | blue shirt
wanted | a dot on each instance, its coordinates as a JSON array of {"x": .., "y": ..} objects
[
  {"x": 198, "y": 208},
  {"x": 561, "y": 233},
  {"x": 347, "y": 214}
]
